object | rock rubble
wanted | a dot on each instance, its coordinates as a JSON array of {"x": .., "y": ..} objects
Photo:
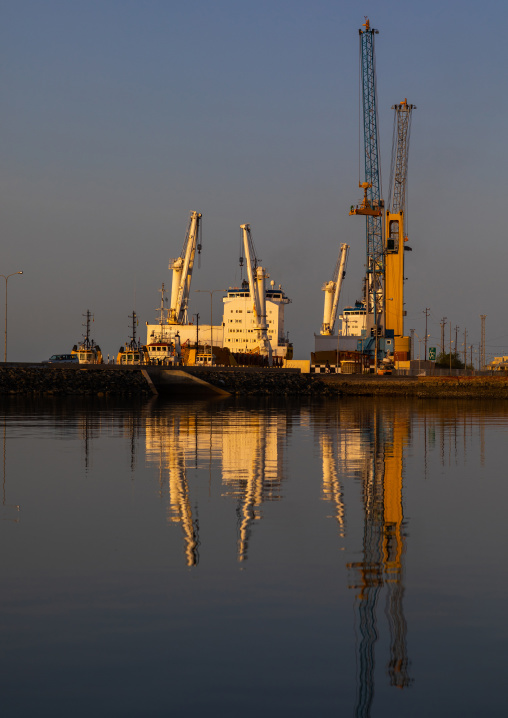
[
  {"x": 71, "y": 381},
  {"x": 240, "y": 383}
]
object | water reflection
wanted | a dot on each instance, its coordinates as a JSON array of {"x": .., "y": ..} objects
[
  {"x": 383, "y": 552},
  {"x": 247, "y": 448},
  {"x": 363, "y": 442},
  {"x": 247, "y": 466},
  {"x": 172, "y": 443},
  {"x": 9, "y": 511},
  {"x": 366, "y": 442}
]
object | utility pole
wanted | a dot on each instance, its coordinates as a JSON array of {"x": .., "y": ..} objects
[
  {"x": 465, "y": 348},
  {"x": 456, "y": 341},
  {"x": 450, "y": 347},
  {"x": 482, "y": 349},
  {"x": 443, "y": 324},
  {"x": 426, "y": 312}
]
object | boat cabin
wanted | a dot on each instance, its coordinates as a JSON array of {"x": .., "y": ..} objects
[
  {"x": 163, "y": 353},
  {"x": 130, "y": 357}
]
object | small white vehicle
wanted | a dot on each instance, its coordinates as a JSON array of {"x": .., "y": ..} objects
[{"x": 62, "y": 359}]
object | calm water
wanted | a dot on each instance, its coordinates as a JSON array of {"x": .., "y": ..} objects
[{"x": 254, "y": 559}]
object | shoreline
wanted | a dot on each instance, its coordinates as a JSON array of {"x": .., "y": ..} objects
[{"x": 197, "y": 382}]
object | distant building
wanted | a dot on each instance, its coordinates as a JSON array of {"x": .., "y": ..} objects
[{"x": 498, "y": 364}]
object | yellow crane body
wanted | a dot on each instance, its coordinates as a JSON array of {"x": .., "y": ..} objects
[{"x": 394, "y": 272}]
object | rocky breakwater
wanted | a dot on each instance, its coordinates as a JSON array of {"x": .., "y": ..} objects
[
  {"x": 422, "y": 387},
  {"x": 265, "y": 382},
  {"x": 53, "y": 380},
  {"x": 463, "y": 387},
  {"x": 371, "y": 385},
  {"x": 279, "y": 383}
]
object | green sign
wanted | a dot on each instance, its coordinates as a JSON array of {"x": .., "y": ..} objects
[{"x": 432, "y": 353}]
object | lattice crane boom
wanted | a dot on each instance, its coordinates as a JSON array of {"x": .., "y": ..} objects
[
  {"x": 372, "y": 184},
  {"x": 400, "y": 156},
  {"x": 396, "y": 220}
]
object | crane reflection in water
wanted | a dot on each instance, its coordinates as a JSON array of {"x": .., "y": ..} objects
[
  {"x": 247, "y": 447},
  {"x": 241, "y": 450},
  {"x": 362, "y": 443},
  {"x": 370, "y": 444}
]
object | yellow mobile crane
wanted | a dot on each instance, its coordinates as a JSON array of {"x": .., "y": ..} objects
[{"x": 395, "y": 230}]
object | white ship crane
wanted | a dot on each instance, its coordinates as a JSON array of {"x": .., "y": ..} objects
[
  {"x": 182, "y": 272},
  {"x": 332, "y": 292},
  {"x": 257, "y": 276}
]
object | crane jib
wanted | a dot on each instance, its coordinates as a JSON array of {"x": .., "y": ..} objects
[{"x": 374, "y": 235}]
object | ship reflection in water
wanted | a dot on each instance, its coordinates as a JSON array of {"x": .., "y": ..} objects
[
  {"x": 247, "y": 447},
  {"x": 356, "y": 441},
  {"x": 326, "y": 508}
]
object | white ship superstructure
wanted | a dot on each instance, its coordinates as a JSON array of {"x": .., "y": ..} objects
[
  {"x": 354, "y": 320},
  {"x": 240, "y": 321}
]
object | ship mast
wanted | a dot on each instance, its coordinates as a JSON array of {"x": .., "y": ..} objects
[
  {"x": 134, "y": 318},
  {"x": 163, "y": 313},
  {"x": 87, "y": 343}
]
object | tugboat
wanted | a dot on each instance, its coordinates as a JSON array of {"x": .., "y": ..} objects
[
  {"x": 133, "y": 352},
  {"x": 88, "y": 352}
]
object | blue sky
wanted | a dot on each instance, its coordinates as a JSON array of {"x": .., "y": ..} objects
[{"x": 119, "y": 117}]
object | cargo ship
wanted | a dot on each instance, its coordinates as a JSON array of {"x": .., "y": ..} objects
[{"x": 252, "y": 328}]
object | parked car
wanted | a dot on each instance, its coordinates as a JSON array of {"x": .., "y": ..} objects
[{"x": 62, "y": 359}]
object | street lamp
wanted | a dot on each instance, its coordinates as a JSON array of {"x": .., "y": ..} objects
[
  {"x": 211, "y": 292},
  {"x": 5, "y": 340}
]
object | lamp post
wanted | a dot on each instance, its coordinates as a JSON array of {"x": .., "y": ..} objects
[
  {"x": 211, "y": 292},
  {"x": 5, "y": 336}
]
